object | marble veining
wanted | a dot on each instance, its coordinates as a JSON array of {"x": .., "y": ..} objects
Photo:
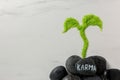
[{"x": 16, "y": 7}]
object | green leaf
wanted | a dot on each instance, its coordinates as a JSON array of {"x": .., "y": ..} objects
[
  {"x": 92, "y": 20},
  {"x": 70, "y": 23},
  {"x": 88, "y": 20}
]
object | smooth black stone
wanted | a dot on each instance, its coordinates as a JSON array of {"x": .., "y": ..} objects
[
  {"x": 86, "y": 67},
  {"x": 103, "y": 77},
  {"x": 92, "y": 78},
  {"x": 113, "y": 74},
  {"x": 71, "y": 77},
  {"x": 100, "y": 64},
  {"x": 58, "y": 73},
  {"x": 70, "y": 64}
]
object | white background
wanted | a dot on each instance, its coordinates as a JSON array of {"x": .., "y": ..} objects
[{"x": 31, "y": 39}]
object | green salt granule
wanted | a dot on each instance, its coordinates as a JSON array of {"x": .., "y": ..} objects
[{"x": 88, "y": 20}]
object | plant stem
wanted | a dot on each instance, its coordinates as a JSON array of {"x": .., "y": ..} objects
[{"x": 86, "y": 42}]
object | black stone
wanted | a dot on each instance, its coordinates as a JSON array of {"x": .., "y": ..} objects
[
  {"x": 113, "y": 74},
  {"x": 100, "y": 64},
  {"x": 86, "y": 67},
  {"x": 70, "y": 64},
  {"x": 103, "y": 77},
  {"x": 71, "y": 77},
  {"x": 92, "y": 78},
  {"x": 58, "y": 73}
]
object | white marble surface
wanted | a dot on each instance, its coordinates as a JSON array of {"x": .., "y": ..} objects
[{"x": 31, "y": 42}]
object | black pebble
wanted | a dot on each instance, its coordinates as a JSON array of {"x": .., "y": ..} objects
[
  {"x": 92, "y": 78},
  {"x": 100, "y": 64},
  {"x": 86, "y": 67},
  {"x": 58, "y": 73},
  {"x": 70, "y": 64},
  {"x": 103, "y": 77},
  {"x": 71, "y": 77},
  {"x": 113, "y": 74}
]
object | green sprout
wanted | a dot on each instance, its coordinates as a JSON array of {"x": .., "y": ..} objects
[{"x": 88, "y": 20}]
